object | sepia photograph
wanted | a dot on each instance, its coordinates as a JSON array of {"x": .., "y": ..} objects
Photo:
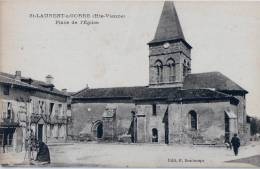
[{"x": 129, "y": 84}]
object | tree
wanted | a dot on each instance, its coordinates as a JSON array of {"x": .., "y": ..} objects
[{"x": 255, "y": 125}]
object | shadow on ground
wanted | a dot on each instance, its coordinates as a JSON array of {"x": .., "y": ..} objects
[{"x": 254, "y": 160}]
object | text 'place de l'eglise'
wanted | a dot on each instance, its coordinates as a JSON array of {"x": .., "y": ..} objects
[{"x": 176, "y": 107}]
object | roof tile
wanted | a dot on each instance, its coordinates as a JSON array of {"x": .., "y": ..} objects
[
  {"x": 36, "y": 84},
  {"x": 214, "y": 80}
]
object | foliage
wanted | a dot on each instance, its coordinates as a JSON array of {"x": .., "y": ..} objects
[{"x": 254, "y": 125}]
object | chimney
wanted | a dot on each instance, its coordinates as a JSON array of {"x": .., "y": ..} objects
[
  {"x": 18, "y": 75},
  {"x": 49, "y": 79},
  {"x": 64, "y": 90},
  {"x": 87, "y": 87}
]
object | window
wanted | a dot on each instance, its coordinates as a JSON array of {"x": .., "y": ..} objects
[
  {"x": 154, "y": 109},
  {"x": 59, "y": 131},
  {"x": 159, "y": 74},
  {"x": 69, "y": 106},
  {"x": 159, "y": 71},
  {"x": 171, "y": 70},
  {"x": 41, "y": 107},
  {"x": 60, "y": 109},
  {"x": 184, "y": 68},
  {"x": 51, "y": 108},
  {"x": 9, "y": 110},
  {"x": 51, "y": 130},
  {"x": 6, "y": 90},
  {"x": 193, "y": 120}
]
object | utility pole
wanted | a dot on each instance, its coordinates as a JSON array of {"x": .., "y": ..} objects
[
  {"x": 29, "y": 141},
  {"x": 28, "y": 131}
]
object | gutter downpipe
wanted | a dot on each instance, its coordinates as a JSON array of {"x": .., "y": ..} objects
[{"x": 181, "y": 117}]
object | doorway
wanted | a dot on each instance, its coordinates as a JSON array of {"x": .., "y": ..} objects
[
  {"x": 97, "y": 130},
  {"x": 227, "y": 131},
  {"x": 6, "y": 135},
  {"x": 166, "y": 126},
  {"x": 154, "y": 135},
  {"x": 133, "y": 128},
  {"x": 40, "y": 130},
  {"x": 100, "y": 131}
]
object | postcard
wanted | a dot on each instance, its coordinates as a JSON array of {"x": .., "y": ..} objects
[{"x": 139, "y": 84}]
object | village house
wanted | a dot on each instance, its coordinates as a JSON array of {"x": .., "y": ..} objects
[
  {"x": 176, "y": 107},
  {"x": 27, "y": 102}
]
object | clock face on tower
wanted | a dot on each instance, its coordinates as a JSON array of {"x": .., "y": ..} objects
[{"x": 166, "y": 45}]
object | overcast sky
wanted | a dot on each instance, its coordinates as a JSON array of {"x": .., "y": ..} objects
[{"x": 224, "y": 35}]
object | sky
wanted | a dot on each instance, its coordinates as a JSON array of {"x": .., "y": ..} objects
[{"x": 224, "y": 35}]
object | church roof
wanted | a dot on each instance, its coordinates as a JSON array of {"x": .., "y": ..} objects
[
  {"x": 169, "y": 27},
  {"x": 201, "y": 86},
  {"x": 147, "y": 93},
  {"x": 215, "y": 80}
]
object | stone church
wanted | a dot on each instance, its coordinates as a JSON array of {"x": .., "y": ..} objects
[{"x": 176, "y": 107}]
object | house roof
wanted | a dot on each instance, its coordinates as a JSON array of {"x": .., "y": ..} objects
[
  {"x": 7, "y": 78},
  {"x": 169, "y": 27},
  {"x": 215, "y": 80}
]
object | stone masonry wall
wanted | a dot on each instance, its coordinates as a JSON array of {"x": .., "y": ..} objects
[
  {"x": 210, "y": 122},
  {"x": 23, "y": 103},
  {"x": 147, "y": 121},
  {"x": 210, "y": 118},
  {"x": 84, "y": 115},
  {"x": 178, "y": 52}
]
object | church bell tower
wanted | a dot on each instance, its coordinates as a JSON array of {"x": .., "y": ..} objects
[{"x": 169, "y": 53}]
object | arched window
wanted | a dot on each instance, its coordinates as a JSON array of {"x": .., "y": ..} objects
[
  {"x": 193, "y": 120},
  {"x": 184, "y": 68},
  {"x": 188, "y": 68},
  {"x": 188, "y": 64},
  {"x": 171, "y": 70},
  {"x": 154, "y": 109},
  {"x": 159, "y": 71},
  {"x": 154, "y": 135}
]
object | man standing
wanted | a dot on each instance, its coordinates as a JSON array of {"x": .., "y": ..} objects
[{"x": 235, "y": 141}]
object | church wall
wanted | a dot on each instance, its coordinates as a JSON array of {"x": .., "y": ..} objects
[
  {"x": 146, "y": 123},
  {"x": 242, "y": 124},
  {"x": 84, "y": 115},
  {"x": 241, "y": 113},
  {"x": 210, "y": 122}
]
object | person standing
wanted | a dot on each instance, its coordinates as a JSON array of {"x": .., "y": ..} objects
[
  {"x": 235, "y": 141},
  {"x": 4, "y": 142}
]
